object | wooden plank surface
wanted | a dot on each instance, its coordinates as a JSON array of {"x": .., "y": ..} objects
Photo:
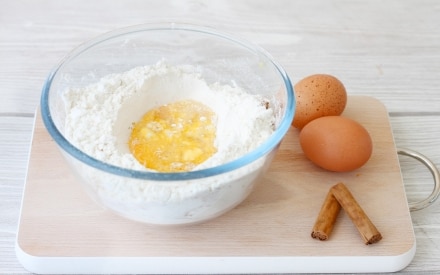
[
  {"x": 59, "y": 220},
  {"x": 386, "y": 49}
]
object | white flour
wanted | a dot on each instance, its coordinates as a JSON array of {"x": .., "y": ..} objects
[
  {"x": 98, "y": 116},
  {"x": 98, "y": 119}
]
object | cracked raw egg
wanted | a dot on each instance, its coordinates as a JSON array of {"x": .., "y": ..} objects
[{"x": 174, "y": 137}]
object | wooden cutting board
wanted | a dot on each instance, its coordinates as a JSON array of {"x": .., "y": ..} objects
[{"x": 61, "y": 230}]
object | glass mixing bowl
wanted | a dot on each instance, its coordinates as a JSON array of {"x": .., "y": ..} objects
[{"x": 180, "y": 197}]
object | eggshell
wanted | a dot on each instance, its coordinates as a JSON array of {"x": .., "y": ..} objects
[
  {"x": 336, "y": 143},
  {"x": 317, "y": 96}
]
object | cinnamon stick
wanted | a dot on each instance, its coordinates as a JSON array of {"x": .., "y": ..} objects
[
  {"x": 366, "y": 228},
  {"x": 326, "y": 218}
]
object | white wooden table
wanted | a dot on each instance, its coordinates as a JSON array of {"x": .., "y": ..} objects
[{"x": 386, "y": 49}]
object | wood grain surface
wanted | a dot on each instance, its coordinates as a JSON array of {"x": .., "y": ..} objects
[
  {"x": 386, "y": 49},
  {"x": 58, "y": 219}
]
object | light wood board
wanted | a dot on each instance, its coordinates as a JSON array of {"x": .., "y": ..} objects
[{"x": 268, "y": 232}]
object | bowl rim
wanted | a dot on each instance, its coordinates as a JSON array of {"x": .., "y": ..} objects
[{"x": 242, "y": 161}]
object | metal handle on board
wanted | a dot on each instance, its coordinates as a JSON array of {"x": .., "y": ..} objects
[{"x": 413, "y": 206}]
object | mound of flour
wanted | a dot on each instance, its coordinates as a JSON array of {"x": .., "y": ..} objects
[{"x": 99, "y": 116}]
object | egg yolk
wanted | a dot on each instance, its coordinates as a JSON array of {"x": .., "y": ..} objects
[{"x": 174, "y": 137}]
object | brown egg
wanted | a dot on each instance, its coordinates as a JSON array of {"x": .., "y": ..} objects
[
  {"x": 317, "y": 96},
  {"x": 336, "y": 143}
]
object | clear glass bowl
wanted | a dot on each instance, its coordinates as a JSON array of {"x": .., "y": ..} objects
[{"x": 170, "y": 198}]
